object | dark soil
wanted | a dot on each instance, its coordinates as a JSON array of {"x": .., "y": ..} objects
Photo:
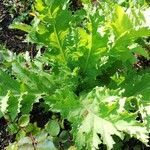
[
  {"x": 5, "y": 137},
  {"x": 134, "y": 144},
  {"x": 39, "y": 114},
  {"x": 13, "y": 39},
  {"x": 143, "y": 63}
]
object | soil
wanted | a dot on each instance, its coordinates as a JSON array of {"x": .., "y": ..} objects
[
  {"x": 38, "y": 112},
  {"x": 5, "y": 137},
  {"x": 13, "y": 39}
]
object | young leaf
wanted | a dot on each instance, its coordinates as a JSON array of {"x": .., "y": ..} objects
[
  {"x": 24, "y": 120},
  {"x": 53, "y": 128}
]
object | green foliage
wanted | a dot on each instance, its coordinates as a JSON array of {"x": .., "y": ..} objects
[
  {"x": 43, "y": 142},
  {"x": 104, "y": 113},
  {"x": 90, "y": 78},
  {"x": 53, "y": 128},
  {"x": 23, "y": 120}
]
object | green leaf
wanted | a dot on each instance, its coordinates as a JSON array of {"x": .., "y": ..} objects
[
  {"x": 44, "y": 142},
  {"x": 140, "y": 51},
  {"x": 12, "y": 147},
  {"x": 21, "y": 134},
  {"x": 53, "y": 128},
  {"x": 94, "y": 125},
  {"x": 102, "y": 112},
  {"x": 134, "y": 131},
  {"x": 21, "y": 26},
  {"x": 24, "y": 120},
  {"x": 121, "y": 21},
  {"x": 46, "y": 145},
  {"x": 12, "y": 128},
  {"x": 139, "y": 85},
  {"x": 13, "y": 106},
  {"x": 4, "y": 103},
  {"x": 64, "y": 135},
  {"x": 8, "y": 83},
  {"x": 27, "y": 103},
  {"x": 39, "y": 5}
]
